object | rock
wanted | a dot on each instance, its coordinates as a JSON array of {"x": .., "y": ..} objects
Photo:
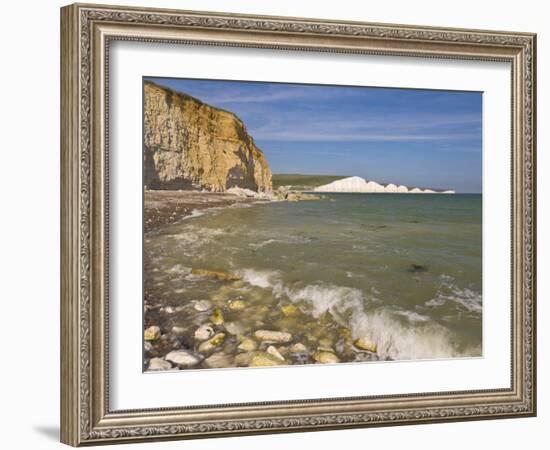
[
  {"x": 176, "y": 342},
  {"x": 345, "y": 350},
  {"x": 321, "y": 348},
  {"x": 172, "y": 309},
  {"x": 326, "y": 343},
  {"x": 298, "y": 348},
  {"x": 274, "y": 352},
  {"x": 147, "y": 346},
  {"x": 325, "y": 357},
  {"x": 230, "y": 346},
  {"x": 152, "y": 333},
  {"x": 237, "y": 305},
  {"x": 211, "y": 345},
  {"x": 263, "y": 359},
  {"x": 363, "y": 344},
  {"x": 159, "y": 364},
  {"x": 218, "y": 275},
  {"x": 204, "y": 332},
  {"x": 217, "y": 317},
  {"x": 283, "y": 350},
  {"x": 218, "y": 361},
  {"x": 188, "y": 143},
  {"x": 248, "y": 345},
  {"x": 240, "y": 192},
  {"x": 299, "y": 196},
  {"x": 417, "y": 268},
  {"x": 202, "y": 305},
  {"x": 273, "y": 336},
  {"x": 345, "y": 332},
  {"x": 365, "y": 357},
  {"x": 217, "y": 339},
  {"x": 289, "y": 310},
  {"x": 243, "y": 359},
  {"x": 177, "y": 330},
  {"x": 183, "y": 358},
  {"x": 234, "y": 328}
]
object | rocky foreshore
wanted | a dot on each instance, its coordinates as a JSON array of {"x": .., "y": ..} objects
[
  {"x": 229, "y": 330},
  {"x": 164, "y": 207}
]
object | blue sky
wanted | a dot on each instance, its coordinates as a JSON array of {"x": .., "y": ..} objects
[{"x": 422, "y": 138}]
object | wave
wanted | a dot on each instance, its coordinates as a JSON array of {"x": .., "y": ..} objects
[
  {"x": 194, "y": 213},
  {"x": 263, "y": 279},
  {"x": 417, "y": 338},
  {"x": 465, "y": 299},
  {"x": 264, "y": 243},
  {"x": 413, "y": 316}
]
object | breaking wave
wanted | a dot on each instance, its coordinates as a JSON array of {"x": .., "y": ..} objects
[
  {"x": 416, "y": 337},
  {"x": 464, "y": 299}
]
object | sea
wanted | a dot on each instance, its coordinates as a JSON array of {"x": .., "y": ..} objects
[{"x": 401, "y": 270}]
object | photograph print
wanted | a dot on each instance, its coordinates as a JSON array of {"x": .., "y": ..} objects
[{"x": 295, "y": 224}]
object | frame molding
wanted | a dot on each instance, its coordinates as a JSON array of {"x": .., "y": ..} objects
[{"x": 86, "y": 32}]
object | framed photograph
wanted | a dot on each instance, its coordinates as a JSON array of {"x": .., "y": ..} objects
[{"x": 276, "y": 224}]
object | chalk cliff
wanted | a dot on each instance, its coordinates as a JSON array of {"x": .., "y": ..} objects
[
  {"x": 191, "y": 145},
  {"x": 358, "y": 184}
]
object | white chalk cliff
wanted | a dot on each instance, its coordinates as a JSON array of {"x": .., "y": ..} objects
[{"x": 358, "y": 184}]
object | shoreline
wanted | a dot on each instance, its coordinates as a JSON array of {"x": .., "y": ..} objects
[{"x": 163, "y": 208}]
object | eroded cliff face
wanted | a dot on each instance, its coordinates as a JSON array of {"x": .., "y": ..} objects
[{"x": 191, "y": 145}]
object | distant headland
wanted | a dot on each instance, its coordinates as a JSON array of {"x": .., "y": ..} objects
[{"x": 360, "y": 185}]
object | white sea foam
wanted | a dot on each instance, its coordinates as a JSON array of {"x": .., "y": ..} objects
[
  {"x": 425, "y": 341},
  {"x": 264, "y": 243},
  {"x": 339, "y": 301},
  {"x": 464, "y": 298},
  {"x": 350, "y": 307},
  {"x": 263, "y": 279},
  {"x": 195, "y": 213},
  {"x": 413, "y": 316},
  {"x": 179, "y": 269},
  {"x": 422, "y": 339}
]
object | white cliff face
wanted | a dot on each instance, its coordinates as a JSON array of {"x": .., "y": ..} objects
[
  {"x": 373, "y": 186},
  {"x": 358, "y": 184}
]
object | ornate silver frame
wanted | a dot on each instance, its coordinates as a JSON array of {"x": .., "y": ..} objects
[{"x": 86, "y": 32}]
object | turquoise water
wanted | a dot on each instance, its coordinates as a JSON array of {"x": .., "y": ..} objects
[{"x": 403, "y": 271}]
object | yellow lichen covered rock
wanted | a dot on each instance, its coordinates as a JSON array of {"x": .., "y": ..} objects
[
  {"x": 289, "y": 310},
  {"x": 211, "y": 344},
  {"x": 247, "y": 344},
  {"x": 217, "y": 317},
  {"x": 264, "y": 359},
  {"x": 363, "y": 344},
  {"x": 237, "y": 305},
  {"x": 189, "y": 144},
  {"x": 151, "y": 334},
  {"x": 217, "y": 274},
  {"x": 325, "y": 357}
]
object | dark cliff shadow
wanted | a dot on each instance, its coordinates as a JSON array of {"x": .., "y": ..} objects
[{"x": 49, "y": 431}]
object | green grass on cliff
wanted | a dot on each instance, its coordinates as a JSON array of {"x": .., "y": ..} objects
[{"x": 302, "y": 182}]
